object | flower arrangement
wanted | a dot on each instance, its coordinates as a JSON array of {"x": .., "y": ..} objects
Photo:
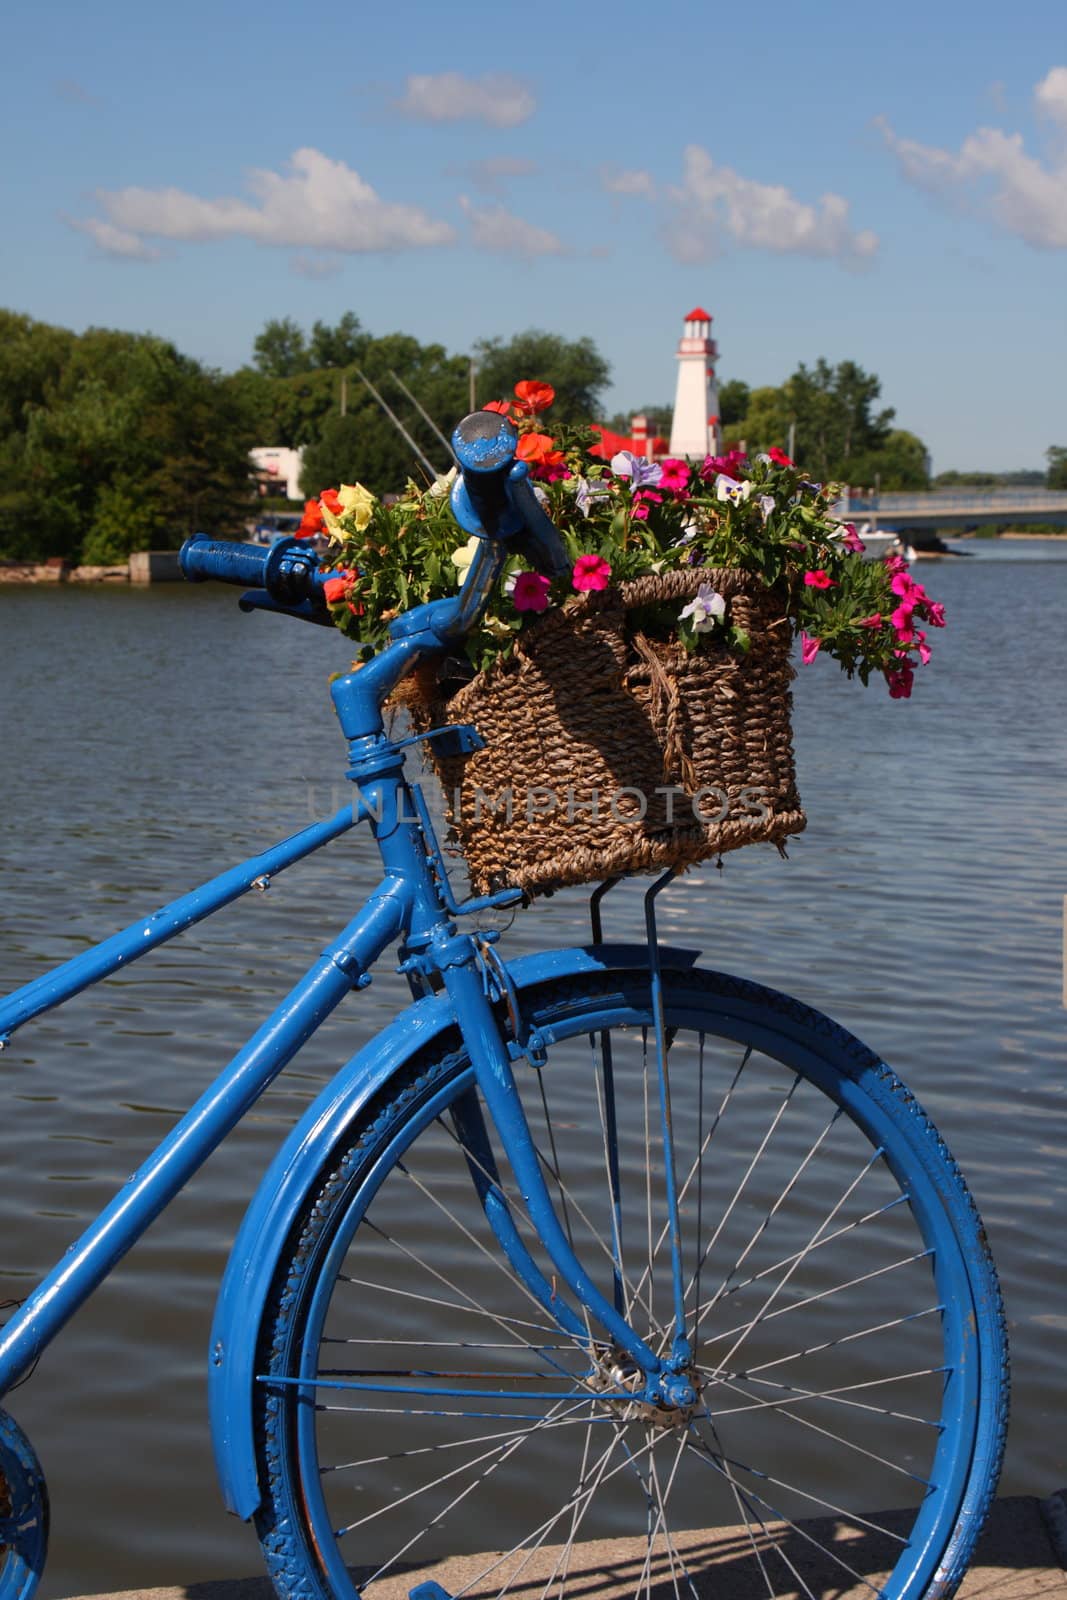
[{"x": 626, "y": 519}]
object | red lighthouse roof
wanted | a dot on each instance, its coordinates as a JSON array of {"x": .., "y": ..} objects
[{"x": 699, "y": 315}]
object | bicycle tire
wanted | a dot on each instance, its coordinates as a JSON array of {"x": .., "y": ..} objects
[{"x": 906, "y": 1397}]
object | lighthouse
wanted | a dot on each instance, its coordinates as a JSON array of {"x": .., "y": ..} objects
[{"x": 695, "y": 429}]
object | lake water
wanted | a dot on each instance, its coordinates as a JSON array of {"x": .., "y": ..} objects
[{"x": 151, "y": 738}]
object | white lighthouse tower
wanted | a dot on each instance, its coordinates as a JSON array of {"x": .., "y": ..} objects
[{"x": 695, "y": 429}]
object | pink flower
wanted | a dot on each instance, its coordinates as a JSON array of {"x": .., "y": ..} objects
[
  {"x": 819, "y": 579},
  {"x": 901, "y": 620},
  {"x": 852, "y": 541},
  {"x": 900, "y": 680},
  {"x": 731, "y": 464},
  {"x": 873, "y": 621},
  {"x": 924, "y": 648},
  {"x": 903, "y": 585},
  {"x": 639, "y": 513},
  {"x": 591, "y": 572},
  {"x": 809, "y": 649},
  {"x": 935, "y": 614},
  {"x": 531, "y": 592},
  {"x": 675, "y": 475},
  {"x": 894, "y": 564}
]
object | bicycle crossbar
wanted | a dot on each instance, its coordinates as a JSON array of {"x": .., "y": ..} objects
[{"x": 72, "y": 976}]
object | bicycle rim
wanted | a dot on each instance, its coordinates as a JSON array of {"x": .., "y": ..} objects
[{"x": 425, "y": 1418}]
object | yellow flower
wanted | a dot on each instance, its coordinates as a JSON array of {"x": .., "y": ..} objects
[
  {"x": 357, "y": 504},
  {"x": 462, "y": 558}
]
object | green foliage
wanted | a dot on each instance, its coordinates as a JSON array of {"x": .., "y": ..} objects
[
  {"x": 733, "y": 401},
  {"x": 281, "y": 349},
  {"x": 339, "y": 346},
  {"x": 109, "y": 439},
  {"x": 1056, "y": 455},
  {"x": 836, "y": 430},
  {"x": 574, "y": 367}
]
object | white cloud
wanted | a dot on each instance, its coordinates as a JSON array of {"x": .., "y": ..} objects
[
  {"x": 496, "y": 98},
  {"x": 993, "y": 173},
  {"x": 714, "y": 204},
  {"x": 492, "y": 174},
  {"x": 630, "y": 180},
  {"x": 1051, "y": 95},
  {"x": 117, "y": 242},
  {"x": 493, "y": 228},
  {"x": 320, "y": 204}
]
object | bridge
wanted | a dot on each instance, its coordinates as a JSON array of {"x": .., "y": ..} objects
[{"x": 956, "y": 508}]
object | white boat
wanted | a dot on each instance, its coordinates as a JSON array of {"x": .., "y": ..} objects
[{"x": 881, "y": 542}]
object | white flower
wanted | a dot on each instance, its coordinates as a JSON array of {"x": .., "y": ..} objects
[
  {"x": 766, "y": 505},
  {"x": 462, "y": 558},
  {"x": 441, "y": 487},
  {"x": 729, "y": 489},
  {"x": 705, "y": 609}
]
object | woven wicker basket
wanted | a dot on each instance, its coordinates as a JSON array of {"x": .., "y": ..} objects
[{"x": 589, "y": 724}]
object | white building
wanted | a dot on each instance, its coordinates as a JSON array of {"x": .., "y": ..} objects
[
  {"x": 695, "y": 428},
  {"x": 276, "y": 465}
]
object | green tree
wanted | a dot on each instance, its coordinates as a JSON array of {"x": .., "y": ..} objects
[
  {"x": 733, "y": 401},
  {"x": 765, "y": 423},
  {"x": 340, "y": 346},
  {"x": 112, "y": 441},
  {"x": 574, "y": 367},
  {"x": 1056, "y": 455},
  {"x": 902, "y": 463},
  {"x": 281, "y": 349},
  {"x": 835, "y": 422}
]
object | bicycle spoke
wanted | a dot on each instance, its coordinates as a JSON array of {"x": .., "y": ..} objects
[
  {"x": 706, "y": 1455},
  {"x": 836, "y": 1395},
  {"x": 849, "y": 1444}
]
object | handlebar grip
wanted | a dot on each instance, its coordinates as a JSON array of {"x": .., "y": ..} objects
[{"x": 225, "y": 560}]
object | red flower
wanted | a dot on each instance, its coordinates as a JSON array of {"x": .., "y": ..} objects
[
  {"x": 503, "y": 406},
  {"x": 534, "y": 396},
  {"x": 819, "y": 579},
  {"x": 311, "y": 522},
  {"x": 779, "y": 457},
  {"x": 335, "y": 589},
  {"x": 331, "y": 500},
  {"x": 538, "y": 449}
]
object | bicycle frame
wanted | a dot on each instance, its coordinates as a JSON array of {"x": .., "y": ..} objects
[{"x": 413, "y": 904}]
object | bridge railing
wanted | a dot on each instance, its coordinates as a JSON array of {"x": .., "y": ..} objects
[{"x": 955, "y": 502}]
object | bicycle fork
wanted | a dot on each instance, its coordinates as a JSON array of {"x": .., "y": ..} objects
[{"x": 665, "y": 1380}]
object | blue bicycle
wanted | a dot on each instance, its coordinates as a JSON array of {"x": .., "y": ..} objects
[{"x": 595, "y": 1266}]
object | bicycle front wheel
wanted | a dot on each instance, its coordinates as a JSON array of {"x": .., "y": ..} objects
[{"x": 423, "y": 1416}]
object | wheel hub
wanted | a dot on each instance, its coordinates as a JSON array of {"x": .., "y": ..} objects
[{"x": 675, "y": 1405}]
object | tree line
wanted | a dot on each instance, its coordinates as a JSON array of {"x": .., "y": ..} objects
[{"x": 112, "y": 442}]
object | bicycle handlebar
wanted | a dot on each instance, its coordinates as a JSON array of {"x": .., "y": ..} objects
[
  {"x": 492, "y": 497},
  {"x": 227, "y": 561}
]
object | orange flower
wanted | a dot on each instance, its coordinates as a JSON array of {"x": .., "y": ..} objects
[
  {"x": 332, "y": 501},
  {"x": 335, "y": 589},
  {"x": 311, "y": 522},
  {"x": 534, "y": 395},
  {"x": 538, "y": 450}
]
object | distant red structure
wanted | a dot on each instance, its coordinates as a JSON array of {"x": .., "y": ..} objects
[{"x": 638, "y": 441}]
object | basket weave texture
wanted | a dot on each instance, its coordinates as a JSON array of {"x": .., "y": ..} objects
[{"x": 591, "y": 721}]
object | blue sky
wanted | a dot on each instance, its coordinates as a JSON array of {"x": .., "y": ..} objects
[{"x": 882, "y": 183}]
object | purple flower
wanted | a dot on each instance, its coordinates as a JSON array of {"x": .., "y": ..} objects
[{"x": 638, "y": 469}]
